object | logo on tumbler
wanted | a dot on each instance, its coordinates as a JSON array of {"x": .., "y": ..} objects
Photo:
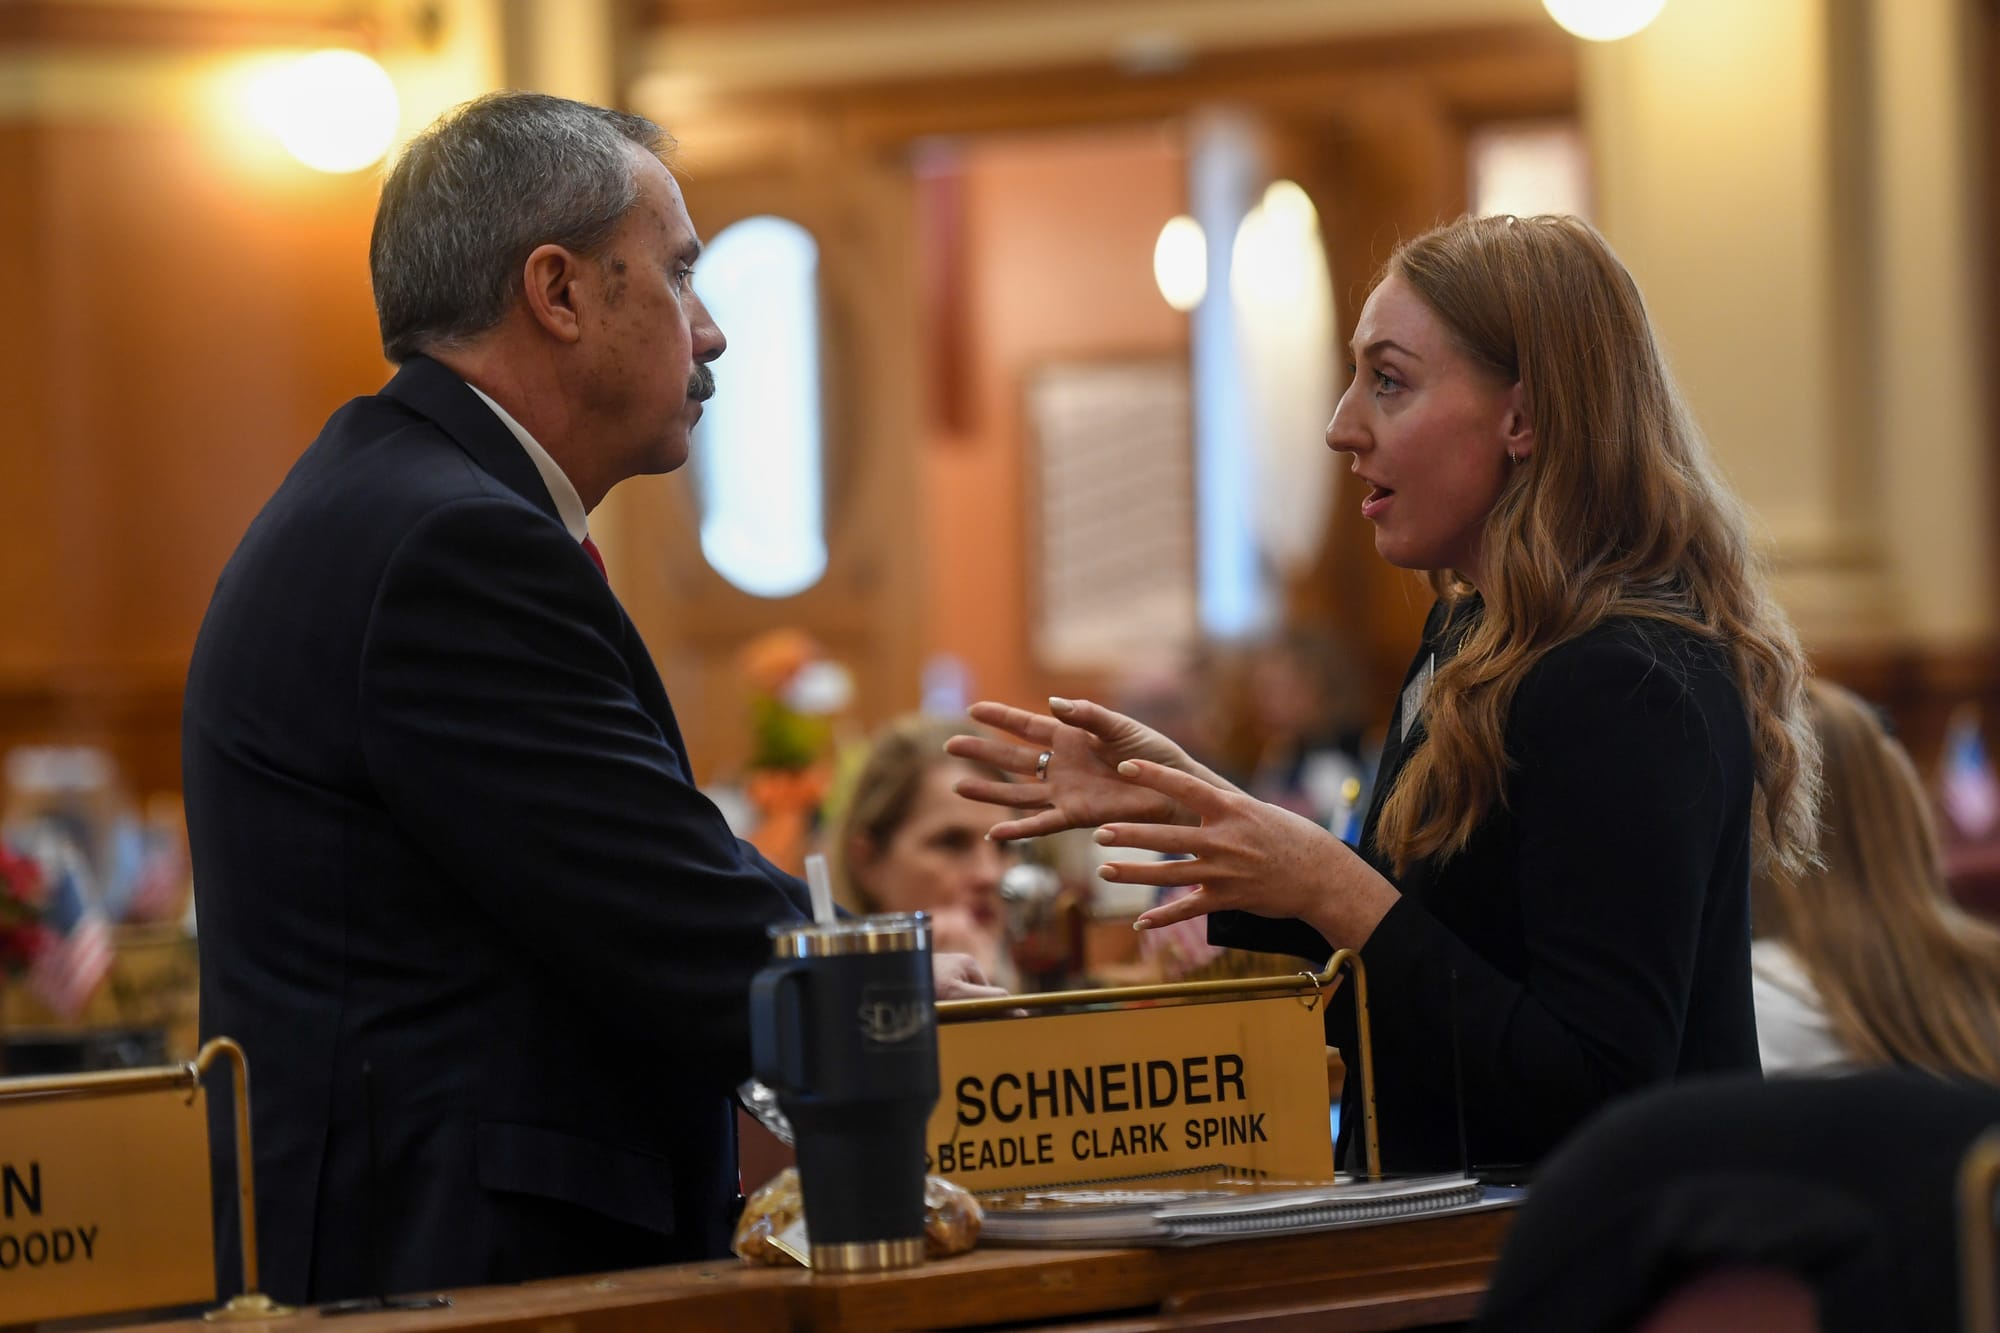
[{"x": 890, "y": 1016}]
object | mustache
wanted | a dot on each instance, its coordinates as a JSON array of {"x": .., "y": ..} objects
[{"x": 701, "y": 384}]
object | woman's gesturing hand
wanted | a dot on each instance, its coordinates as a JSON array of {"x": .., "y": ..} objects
[
  {"x": 1249, "y": 856},
  {"x": 1079, "y": 786}
]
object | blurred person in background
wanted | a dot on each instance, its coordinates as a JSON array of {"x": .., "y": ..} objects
[
  {"x": 1306, "y": 718},
  {"x": 901, "y": 839},
  {"x": 1553, "y": 876},
  {"x": 1190, "y": 695},
  {"x": 1866, "y": 960}
]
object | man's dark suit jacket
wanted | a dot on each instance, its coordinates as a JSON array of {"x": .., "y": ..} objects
[{"x": 444, "y": 831}]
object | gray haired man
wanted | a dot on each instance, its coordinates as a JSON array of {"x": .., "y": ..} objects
[{"x": 485, "y": 943}]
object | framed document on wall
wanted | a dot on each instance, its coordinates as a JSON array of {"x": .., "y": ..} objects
[{"x": 1111, "y": 512}]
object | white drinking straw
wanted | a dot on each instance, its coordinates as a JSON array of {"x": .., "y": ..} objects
[{"x": 821, "y": 887}]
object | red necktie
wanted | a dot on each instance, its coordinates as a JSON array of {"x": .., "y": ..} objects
[{"x": 590, "y": 549}]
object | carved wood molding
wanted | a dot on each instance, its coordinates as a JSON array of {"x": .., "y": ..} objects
[
  {"x": 53, "y": 23},
  {"x": 670, "y": 13},
  {"x": 1513, "y": 71}
]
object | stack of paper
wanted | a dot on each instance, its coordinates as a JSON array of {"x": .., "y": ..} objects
[{"x": 1193, "y": 1209}]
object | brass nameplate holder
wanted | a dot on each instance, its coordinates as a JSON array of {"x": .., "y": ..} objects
[
  {"x": 104, "y": 1192},
  {"x": 1978, "y": 1196},
  {"x": 1071, "y": 1087}
]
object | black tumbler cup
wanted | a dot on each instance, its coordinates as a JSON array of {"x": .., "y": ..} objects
[{"x": 843, "y": 1027}]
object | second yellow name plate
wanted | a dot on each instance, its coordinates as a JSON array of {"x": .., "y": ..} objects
[
  {"x": 104, "y": 1204},
  {"x": 1066, "y": 1098}
]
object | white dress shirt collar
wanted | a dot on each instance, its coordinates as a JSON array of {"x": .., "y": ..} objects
[{"x": 568, "y": 505}]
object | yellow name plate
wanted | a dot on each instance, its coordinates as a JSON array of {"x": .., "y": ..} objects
[
  {"x": 104, "y": 1204},
  {"x": 1067, "y": 1098}
]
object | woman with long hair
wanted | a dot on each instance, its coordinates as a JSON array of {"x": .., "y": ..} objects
[
  {"x": 1866, "y": 960},
  {"x": 1553, "y": 876}
]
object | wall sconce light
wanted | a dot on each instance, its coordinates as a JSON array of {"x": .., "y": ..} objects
[
  {"x": 1275, "y": 240},
  {"x": 1281, "y": 298},
  {"x": 334, "y": 110},
  {"x": 1180, "y": 263},
  {"x": 1603, "y": 20}
]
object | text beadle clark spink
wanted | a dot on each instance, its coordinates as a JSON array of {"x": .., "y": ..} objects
[{"x": 1146, "y": 1136}]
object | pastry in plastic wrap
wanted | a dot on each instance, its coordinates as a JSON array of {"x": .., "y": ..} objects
[
  {"x": 774, "y": 1206},
  {"x": 951, "y": 1219}
]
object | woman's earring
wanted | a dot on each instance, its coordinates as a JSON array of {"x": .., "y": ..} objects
[{"x": 1513, "y": 457}]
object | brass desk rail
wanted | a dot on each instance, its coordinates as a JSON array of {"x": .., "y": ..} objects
[
  {"x": 250, "y": 1303},
  {"x": 1310, "y": 986},
  {"x": 1978, "y": 1182}
]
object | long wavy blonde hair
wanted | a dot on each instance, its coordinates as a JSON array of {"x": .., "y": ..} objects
[
  {"x": 1618, "y": 512},
  {"x": 1904, "y": 976}
]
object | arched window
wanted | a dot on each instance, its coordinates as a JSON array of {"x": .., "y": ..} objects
[{"x": 758, "y": 456}]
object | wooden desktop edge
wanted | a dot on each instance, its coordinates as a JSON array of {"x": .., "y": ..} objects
[{"x": 1423, "y": 1261}]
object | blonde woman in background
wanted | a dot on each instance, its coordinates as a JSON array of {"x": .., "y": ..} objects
[
  {"x": 1869, "y": 961},
  {"x": 900, "y": 839}
]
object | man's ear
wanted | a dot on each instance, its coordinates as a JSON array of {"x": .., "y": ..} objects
[
  {"x": 1518, "y": 428},
  {"x": 552, "y": 281}
]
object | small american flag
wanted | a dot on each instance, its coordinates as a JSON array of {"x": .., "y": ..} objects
[
  {"x": 73, "y": 965},
  {"x": 71, "y": 969},
  {"x": 1970, "y": 789},
  {"x": 159, "y": 885}
]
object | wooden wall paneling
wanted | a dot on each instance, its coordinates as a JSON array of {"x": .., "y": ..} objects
[
  {"x": 190, "y": 315},
  {"x": 1061, "y": 232},
  {"x": 186, "y": 25},
  {"x": 208, "y": 326},
  {"x": 31, "y": 608},
  {"x": 905, "y": 581},
  {"x": 1988, "y": 54},
  {"x": 1373, "y": 126},
  {"x": 1506, "y": 71},
  {"x": 667, "y": 13},
  {"x": 1491, "y": 72},
  {"x": 866, "y": 608},
  {"x": 943, "y": 291},
  {"x": 209, "y": 320},
  {"x": 1919, "y": 688},
  {"x": 1136, "y": 42},
  {"x": 133, "y": 716},
  {"x": 213, "y": 324}
]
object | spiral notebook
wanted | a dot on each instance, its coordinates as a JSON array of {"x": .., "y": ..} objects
[{"x": 1187, "y": 1210}]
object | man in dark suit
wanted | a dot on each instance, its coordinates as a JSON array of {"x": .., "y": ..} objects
[{"x": 485, "y": 944}]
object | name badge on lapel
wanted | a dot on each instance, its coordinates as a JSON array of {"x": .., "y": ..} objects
[{"x": 1414, "y": 692}]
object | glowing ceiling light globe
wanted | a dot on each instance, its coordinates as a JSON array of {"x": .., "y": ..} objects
[
  {"x": 1180, "y": 263},
  {"x": 1603, "y": 20},
  {"x": 1290, "y": 207},
  {"x": 335, "y": 111},
  {"x": 1275, "y": 243}
]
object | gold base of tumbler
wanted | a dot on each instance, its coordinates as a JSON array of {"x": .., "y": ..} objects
[{"x": 867, "y": 1256}]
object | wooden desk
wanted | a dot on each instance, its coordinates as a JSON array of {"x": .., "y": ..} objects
[{"x": 1406, "y": 1274}]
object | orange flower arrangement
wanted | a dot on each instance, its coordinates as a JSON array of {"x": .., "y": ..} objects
[{"x": 797, "y": 693}]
